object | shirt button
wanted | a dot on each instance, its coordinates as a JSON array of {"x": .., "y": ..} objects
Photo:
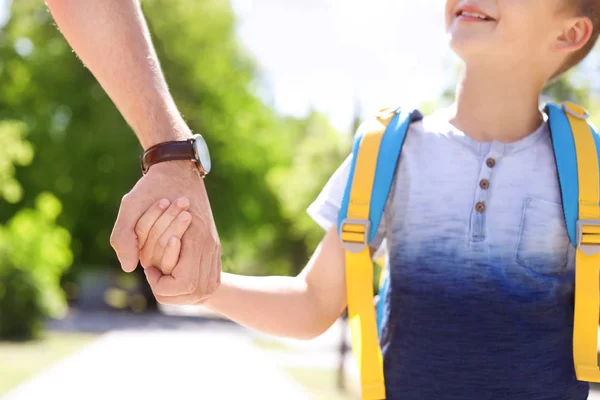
[
  {"x": 480, "y": 207},
  {"x": 484, "y": 184},
  {"x": 490, "y": 162}
]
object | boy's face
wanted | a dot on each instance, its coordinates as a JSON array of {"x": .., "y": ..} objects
[{"x": 508, "y": 32}]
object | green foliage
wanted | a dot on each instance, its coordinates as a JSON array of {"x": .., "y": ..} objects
[
  {"x": 13, "y": 151},
  {"x": 34, "y": 254},
  {"x": 32, "y": 242},
  {"x": 565, "y": 89},
  {"x": 20, "y": 313},
  {"x": 87, "y": 155},
  {"x": 84, "y": 152},
  {"x": 319, "y": 152}
]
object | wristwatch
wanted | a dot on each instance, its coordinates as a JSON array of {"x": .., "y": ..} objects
[{"x": 193, "y": 149}]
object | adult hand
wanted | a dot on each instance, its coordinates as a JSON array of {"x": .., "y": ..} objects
[
  {"x": 112, "y": 38},
  {"x": 197, "y": 273}
]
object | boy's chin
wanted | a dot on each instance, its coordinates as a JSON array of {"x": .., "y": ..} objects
[{"x": 468, "y": 50}]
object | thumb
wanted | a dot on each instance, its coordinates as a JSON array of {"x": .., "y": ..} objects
[{"x": 123, "y": 238}]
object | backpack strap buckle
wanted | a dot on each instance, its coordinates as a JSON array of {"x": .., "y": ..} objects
[
  {"x": 588, "y": 237},
  {"x": 354, "y": 234},
  {"x": 575, "y": 110}
]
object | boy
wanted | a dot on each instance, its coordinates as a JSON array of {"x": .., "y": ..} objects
[{"x": 481, "y": 267}]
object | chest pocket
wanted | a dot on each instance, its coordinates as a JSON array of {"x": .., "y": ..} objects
[{"x": 543, "y": 243}]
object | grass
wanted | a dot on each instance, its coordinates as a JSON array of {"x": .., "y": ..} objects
[
  {"x": 319, "y": 382},
  {"x": 268, "y": 344},
  {"x": 322, "y": 383},
  {"x": 22, "y": 360}
]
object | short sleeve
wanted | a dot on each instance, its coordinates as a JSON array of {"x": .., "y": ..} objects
[{"x": 326, "y": 207}]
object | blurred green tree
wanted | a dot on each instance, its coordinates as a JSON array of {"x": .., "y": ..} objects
[
  {"x": 87, "y": 155},
  {"x": 34, "y": 251},
  {"x": 318, "y": 151},
  {"x": 14, "y": 150},
  {"x": 564, "y": 89}
]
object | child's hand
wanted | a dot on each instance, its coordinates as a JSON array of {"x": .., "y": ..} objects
[{"x": 159, "y": 232}]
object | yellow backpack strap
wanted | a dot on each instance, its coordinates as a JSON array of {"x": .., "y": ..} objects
[
  {"x": 360, "y": 214},
  {"x": 580, "y": 188}
]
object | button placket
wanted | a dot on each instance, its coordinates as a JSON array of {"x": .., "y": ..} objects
[
  {"x": 483, "y": 188},
  {"x": 482, "y": 192}
]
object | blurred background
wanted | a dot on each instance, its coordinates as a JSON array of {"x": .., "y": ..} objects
[{"x": 277, "y": 89}]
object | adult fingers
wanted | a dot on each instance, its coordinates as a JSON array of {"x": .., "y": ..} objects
[
  {"x": 167, "y": 285},
  {"x": 196, "y": 275},
  {"x": 123, "y": 238}
]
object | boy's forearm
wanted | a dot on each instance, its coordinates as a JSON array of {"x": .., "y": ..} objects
[
  {"x": 113, "y": 41},
  {"x": 280, "y": 306}
]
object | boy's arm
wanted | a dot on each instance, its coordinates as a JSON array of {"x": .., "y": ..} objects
[{"x": 300, "y": 307}]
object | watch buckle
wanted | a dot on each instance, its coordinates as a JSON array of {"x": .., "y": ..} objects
[{"x": 143, "y": 165}]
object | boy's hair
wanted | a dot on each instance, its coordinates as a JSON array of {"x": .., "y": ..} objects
[{"x": 585, "y": 8}]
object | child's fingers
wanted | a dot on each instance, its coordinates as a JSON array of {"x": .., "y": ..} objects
[
  {"x": 176, "y": 229},
  {"x": 159, "y": 227},
  {"x": 147, "y": 220},
  {"x": 170, "y": 255}
]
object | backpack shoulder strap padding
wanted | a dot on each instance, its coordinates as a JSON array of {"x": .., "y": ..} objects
[
  {"x": 567, "y": 122},
  {"x": 577, "y": 152},
  {"x": 390, "y": 126},
  {"x": 375, "y": 153}
]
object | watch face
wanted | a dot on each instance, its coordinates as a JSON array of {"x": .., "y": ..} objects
[{"x": 202, "y": 152}]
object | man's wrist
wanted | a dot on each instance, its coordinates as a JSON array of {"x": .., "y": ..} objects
[
  {"x": 168, "y": 127},
  {"x": 164, "y": 135},
  {"x": 177, "y": 169}
]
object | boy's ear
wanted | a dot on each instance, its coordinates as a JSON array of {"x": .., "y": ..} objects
[{"x": 576, "y": 33}]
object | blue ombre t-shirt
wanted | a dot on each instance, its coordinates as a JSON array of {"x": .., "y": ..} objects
[{"x": 481, "y": 269}]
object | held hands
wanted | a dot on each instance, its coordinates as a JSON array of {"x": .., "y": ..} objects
[
  {"x": 159, "y": 232},
  {"x": 185, "y": 270}
]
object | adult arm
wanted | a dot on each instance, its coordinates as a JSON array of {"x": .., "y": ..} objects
[{"x": 113, "y": 41}]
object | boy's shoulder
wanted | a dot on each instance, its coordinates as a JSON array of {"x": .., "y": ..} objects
[{"x": 433, "y": 125}]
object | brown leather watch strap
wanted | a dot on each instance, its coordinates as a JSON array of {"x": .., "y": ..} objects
[{"x": 167, "y": 151}]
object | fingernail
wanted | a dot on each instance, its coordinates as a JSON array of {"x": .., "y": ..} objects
[
  {"x": 164, "y": 203},
  {"x": 128, "y": 267}
]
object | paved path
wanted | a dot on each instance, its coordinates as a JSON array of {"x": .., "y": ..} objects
[
  {"x": 161, "y": 364},
  {"x": 155, "y": 357}
]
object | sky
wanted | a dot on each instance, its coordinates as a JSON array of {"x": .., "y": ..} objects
[
  {"x": 332, "y": 55},
  {"x": 3, "y": 11}
]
